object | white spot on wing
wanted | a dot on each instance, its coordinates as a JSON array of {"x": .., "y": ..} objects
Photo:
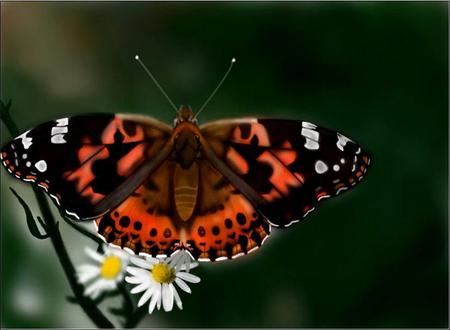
[
  {"x": 311, "y": 145},
  {"x": 342, "y": 141},
  {"x": 312, "y": 138},
  {"x": 320, "y": 167},
  {"x": 336, "y": 168},
  {"x": 28, "y": 164},
  {"x": 306, "y": 124},
  {"x": 26, "y": 141},
  {"x": 58, "y": 139},
  {"x": 62, "y": 122},
  {"x": 309, "y": 133},
  {"x": 41, "y": 166},
  {"x": 59, "y": 130}
]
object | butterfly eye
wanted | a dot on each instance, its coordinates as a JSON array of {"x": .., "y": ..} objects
[{"x": 197, "y": 137}]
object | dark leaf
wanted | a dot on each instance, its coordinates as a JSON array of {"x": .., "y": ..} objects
[{"x": 31, "y": 222}]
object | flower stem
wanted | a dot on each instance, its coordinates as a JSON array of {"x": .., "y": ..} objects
[{"x": 89, "y": 307}]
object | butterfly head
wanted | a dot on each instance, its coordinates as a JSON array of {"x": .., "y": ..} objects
[
  {"x": 185, "y": 114},
  {"x": 186, "y": 137}
]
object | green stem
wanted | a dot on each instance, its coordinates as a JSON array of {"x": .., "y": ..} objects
[
  {"x": 89, "y": 307},
  {"x": 136, "y": 317}
]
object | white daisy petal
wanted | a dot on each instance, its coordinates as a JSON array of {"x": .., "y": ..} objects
[
  {"x": 176, "y": 297},
  {"x": 145, "y": 297},
  {"x": 141, "y": 262},
  {"x": 94, "y": 255},
  {"x": 137, "y": 271},
  {"x": 158, "y": 303},
  {"x": 167, "y": 297},
  {"x": 139, "y": 288},
  {"x": 182, "y": 284},
  {"x": 188, "y": 266},
  {"x": 93, "y": 287},
  {"x": 151, "y": 260},
  {"x": 188, "y": 277},
  {"x": 133, "y": 280},
  {"x": 87, "y": 274},
  {"x": 154, "y": 300}
]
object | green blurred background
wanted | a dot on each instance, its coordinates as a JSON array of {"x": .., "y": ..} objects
[{"x": 377, "y": 72}]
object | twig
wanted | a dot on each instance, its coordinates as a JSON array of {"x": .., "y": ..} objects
[{"x": 89, "y": 307}]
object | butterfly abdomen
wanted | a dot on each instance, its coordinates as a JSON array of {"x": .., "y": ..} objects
[{"x": 185, "y": 190}]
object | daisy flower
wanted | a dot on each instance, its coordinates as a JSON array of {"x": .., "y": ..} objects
[
  {"x": 156, "y": 278},
  {"x": 108, "y": 271}
]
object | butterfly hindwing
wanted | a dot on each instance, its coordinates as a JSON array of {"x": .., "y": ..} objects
[
  {"x": 223, "y": 225},
  {"x": 291, "y": 164},
  {"x": 83, "y": 161}
]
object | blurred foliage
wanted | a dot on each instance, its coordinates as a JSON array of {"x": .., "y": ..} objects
[{"x": 378, "y": 72}]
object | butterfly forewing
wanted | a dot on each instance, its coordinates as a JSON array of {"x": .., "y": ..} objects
[
  {"x": 82, "y": 161},
  {"x": 291, "y": 164}
]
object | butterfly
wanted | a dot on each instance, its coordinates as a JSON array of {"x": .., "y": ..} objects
[{"x": 213, "y": 190}]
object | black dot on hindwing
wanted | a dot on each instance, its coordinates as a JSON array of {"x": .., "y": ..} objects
[
  {"x": 167, "y": 233},
  {"x": 201, "y": 231},
  {"x": 153, "y": 232},
  {"x": 215, "y": 230},
  {"x": 241, "y": 219},
  {"x": 228, "y": 223},
  {"x": 137, "y": 225},
  {"x": 124, "y": 221}
]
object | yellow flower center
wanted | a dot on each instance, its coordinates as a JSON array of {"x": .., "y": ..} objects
[
  {"x": 111, "y": 267},
  {"x": 163, "y": 273}
]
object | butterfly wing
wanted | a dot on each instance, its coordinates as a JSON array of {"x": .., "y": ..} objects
[
  {"x": 284, "y": 167},
  {"x": 224, "y": 224},
  {"x": 88, "y": 163}
]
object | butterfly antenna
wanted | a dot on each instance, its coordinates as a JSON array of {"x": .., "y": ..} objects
[
  {"x": 156, "y": 83},
  {"x": 233, "y": 60}
]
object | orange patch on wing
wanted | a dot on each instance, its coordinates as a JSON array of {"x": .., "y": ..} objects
[
  {"x": 83, "y": 175},
  {"x": 93, "y": 196},
  {"x": 286, "y": 156},
  {"x": 129, "y": 162},
  {"x": 256, "y": 130},
  {"x": 117, "y": 125},
  {"x": 282, "y": 179},
  {"x": 87, "y": 151},
  {"x": 272, "y": 195},
  {"x": 238, "y": 163}
]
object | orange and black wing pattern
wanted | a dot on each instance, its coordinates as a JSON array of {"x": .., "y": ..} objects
[
  {"x": 285, "y": 167},
  {"x": 89, "y": 163},
  {"x": 206, "y": 216}
]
